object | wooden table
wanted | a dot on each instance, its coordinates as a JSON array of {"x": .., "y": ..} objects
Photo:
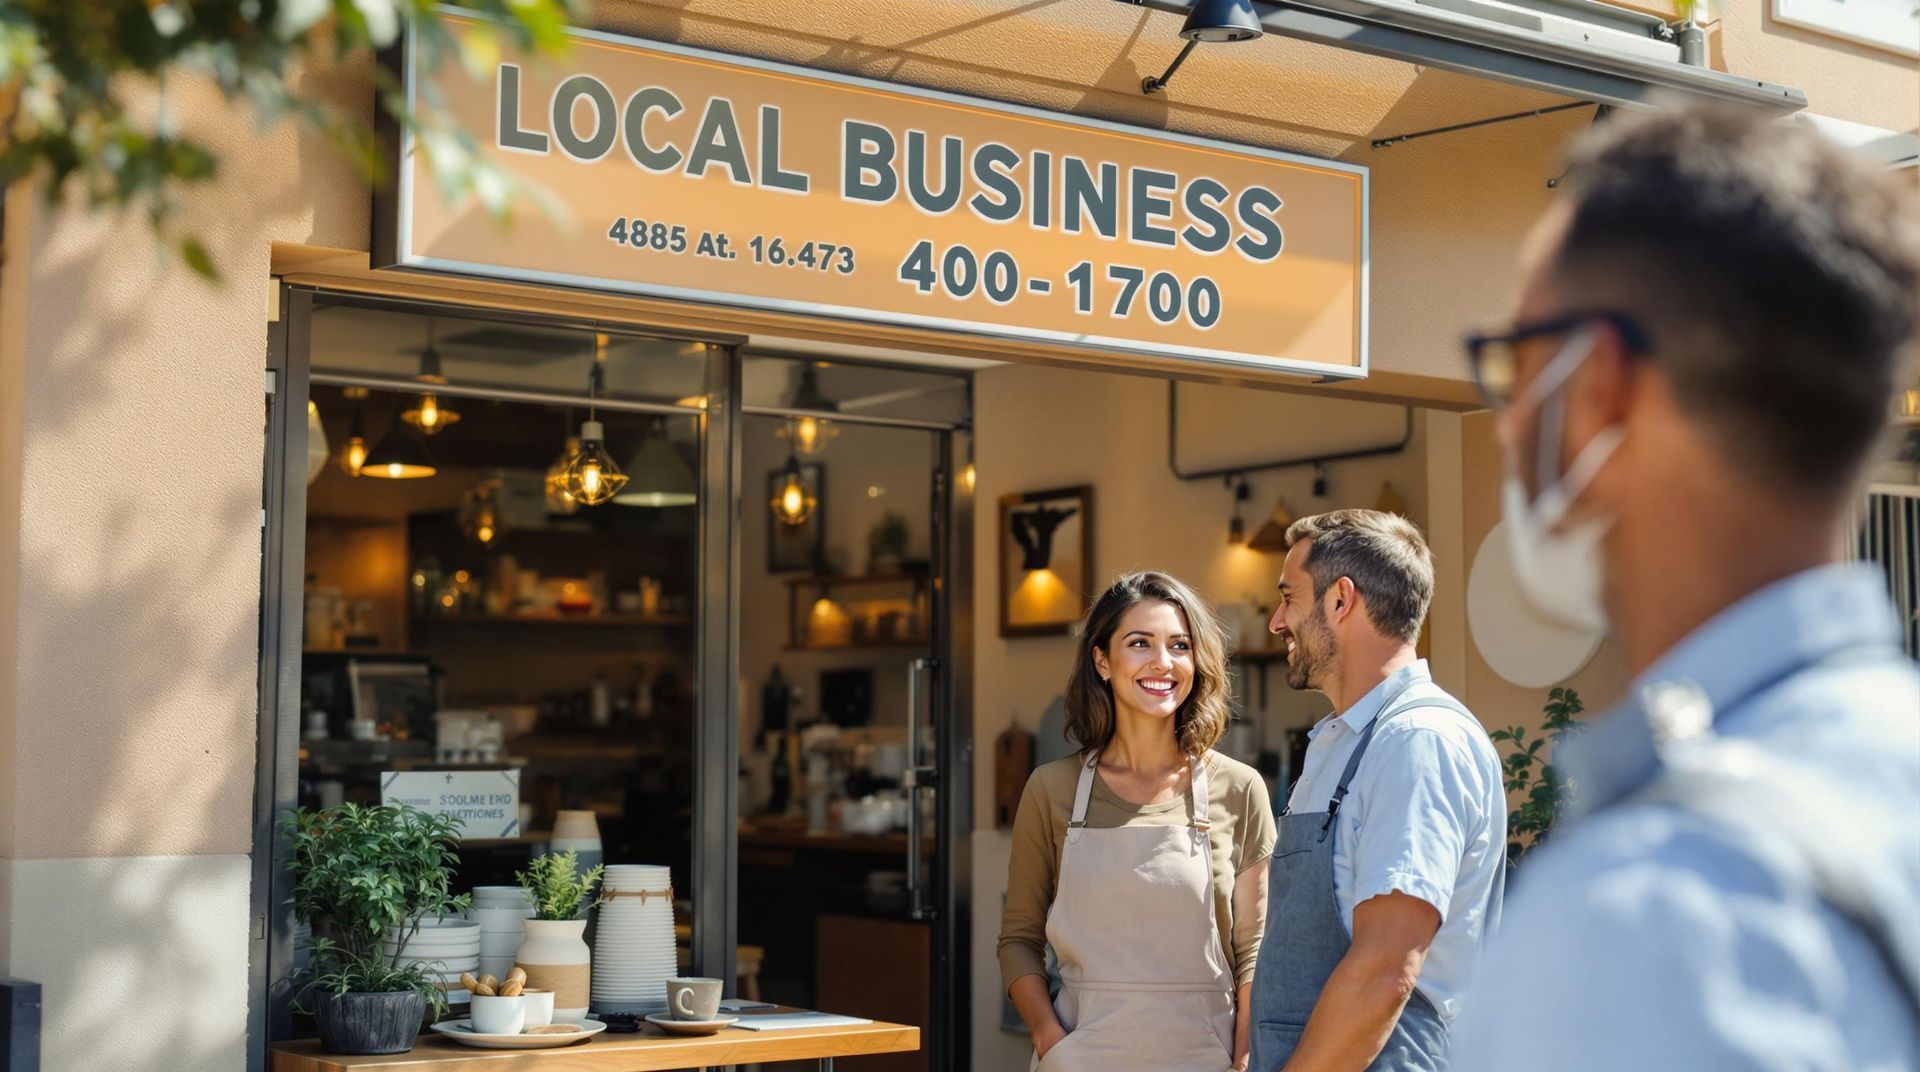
[{"x": 652, "y": 1050}]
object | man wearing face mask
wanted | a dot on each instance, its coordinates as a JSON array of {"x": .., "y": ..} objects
[
  {"x": 1388, "y": 872},
  {"x": 1713, "y": 322}
]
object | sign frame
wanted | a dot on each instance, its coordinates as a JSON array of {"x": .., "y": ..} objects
[
  {"x": 475, "y": 780},
  {"x": 394, "y": 199}
]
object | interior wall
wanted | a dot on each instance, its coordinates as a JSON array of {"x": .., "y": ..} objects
[{"x": 869, "y": 472}]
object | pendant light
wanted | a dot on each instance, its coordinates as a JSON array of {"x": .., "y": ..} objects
[
  {"x": 480, "y": 514},
  {"x": 793, "y": 502},
  {"x": 430, "y": 415},
  {"x": 401, "y": 454},
  {"x": 354, "y": 455},
  {"x": 591, "y": 477},
  {"x": 658, "y": 475},
  {"x": 809, "y": 435},
  {"x": 316, "y": 442},
  {"x": 1237, "y": 527},
  {"x": 555, "y": 484}
]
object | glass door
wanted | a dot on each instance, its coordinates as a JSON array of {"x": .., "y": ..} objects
[{"x": 845, "y": 841}]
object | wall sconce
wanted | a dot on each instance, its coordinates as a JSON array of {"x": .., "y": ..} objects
[
  {"x": 1271, "y": 536},
  {"x": 1033, "y": 531},
  {"x": 793, "y": 502}
]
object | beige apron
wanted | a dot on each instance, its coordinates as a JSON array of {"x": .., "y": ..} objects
[{"x": 1145, "y": 981}]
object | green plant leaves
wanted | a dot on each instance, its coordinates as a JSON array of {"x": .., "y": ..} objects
[
  {"x": 1526, "y": 769},
  {"x": 556, "y": 887}
]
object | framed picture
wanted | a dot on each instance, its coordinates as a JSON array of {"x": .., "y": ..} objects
[
  {"x": 1893, "y": 25},
  {"x": 1046, "y": 561},
  {"x": 802, "y": 547}
]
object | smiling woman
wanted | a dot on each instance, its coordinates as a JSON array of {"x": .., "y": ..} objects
[{"x": 1178, "y": 832}]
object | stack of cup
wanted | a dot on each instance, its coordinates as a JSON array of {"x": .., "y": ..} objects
[
  {"x": 633, "y": 950},
  {"x": 499, "y": 910},
  {"x": 447, "y": 947}
]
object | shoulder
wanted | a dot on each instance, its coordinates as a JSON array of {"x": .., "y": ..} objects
[
  {"x": 1230, "y": 775},
  {"x": 1054, "y": 782},
  {"x": 1440, "y": 734},
  {"x": 1678, "y": 926}
]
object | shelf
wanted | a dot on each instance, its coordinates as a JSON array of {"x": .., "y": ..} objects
[
  {"x": 873, "y": 645},
  {"x": 629, "y": 621},
  {"x": 854, "y": 580}
]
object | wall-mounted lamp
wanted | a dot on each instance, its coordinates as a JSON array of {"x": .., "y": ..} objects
[
  {"x": 1271, "y": 536},
  {"x": 1214, "y": 22},
  {"x": 1319, "y": 480},
  {"x": 1033, "y": 530}
]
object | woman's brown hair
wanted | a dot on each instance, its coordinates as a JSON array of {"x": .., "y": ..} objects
[{"x": 1202, "y": 719}]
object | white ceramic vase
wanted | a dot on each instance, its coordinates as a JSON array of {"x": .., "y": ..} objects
[{"x": 555, "y": 957}]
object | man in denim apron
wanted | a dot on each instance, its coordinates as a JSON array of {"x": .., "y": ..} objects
[
  {"x": 1389, "y": 868},
  {"x": 1715, "y": 322}
]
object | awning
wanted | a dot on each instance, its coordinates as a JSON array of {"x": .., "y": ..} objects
[{"x": 1579, "y": 48}]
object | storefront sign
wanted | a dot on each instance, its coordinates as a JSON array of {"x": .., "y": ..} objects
[
  {"x": 487, "y": 803},
  {"x": 718, "y": 179}
]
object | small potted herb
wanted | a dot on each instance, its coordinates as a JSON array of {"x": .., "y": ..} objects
[
  {"x": 887, "y": 543},
  {"x": 555, "y": 954},
  {"x": 362, "y": 875}
]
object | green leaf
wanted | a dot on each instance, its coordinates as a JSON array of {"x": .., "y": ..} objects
[{"x": 198, "y": 259}]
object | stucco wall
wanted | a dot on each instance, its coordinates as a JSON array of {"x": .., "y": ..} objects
[{"x": 130, "y": 446}]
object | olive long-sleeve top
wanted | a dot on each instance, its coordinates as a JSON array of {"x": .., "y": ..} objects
[{"x": 1243, "y": 836}]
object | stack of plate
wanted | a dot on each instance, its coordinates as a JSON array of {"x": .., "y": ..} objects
[
  {"x": 447, "y": 946},
  {"x": 499, "y": 910},
  {"x": 633, "y": 946}
]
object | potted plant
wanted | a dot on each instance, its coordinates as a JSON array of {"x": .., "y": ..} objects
[
  {"x": 1545, "y": 792},
  {"x": 555, "y": 954},
  {"x": 361, "y": 874},
  {"x": 887, "y": 543}
]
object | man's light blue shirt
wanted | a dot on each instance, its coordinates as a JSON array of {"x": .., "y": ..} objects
[
  {"x": 1649, "y": 936},
  {"x": 1425, "y": 815}
]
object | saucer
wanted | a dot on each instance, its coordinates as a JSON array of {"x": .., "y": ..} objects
[
  {"x": 462, "y": 1031},
  {"x": 689, "y": 1027}
]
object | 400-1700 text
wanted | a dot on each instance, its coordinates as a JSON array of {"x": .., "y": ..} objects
[{"x": 962, "y": 273}]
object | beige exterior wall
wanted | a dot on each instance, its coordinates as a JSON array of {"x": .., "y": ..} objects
[{"x": 130, "y": 446}]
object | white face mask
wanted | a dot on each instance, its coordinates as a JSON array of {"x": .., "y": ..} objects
[{"x": 1561, "y": 572}]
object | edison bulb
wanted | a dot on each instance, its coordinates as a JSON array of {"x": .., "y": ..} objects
[
  {"x": 793, "y": 503},
  {"x": 430, "y": 416},
  {"x": 592, "y": 477},
  {"x": 808, "y": 435},
  {"x": 354, "y": 455}
]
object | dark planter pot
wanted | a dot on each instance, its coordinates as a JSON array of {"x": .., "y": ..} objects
[{"x": 369, "y": 1023}]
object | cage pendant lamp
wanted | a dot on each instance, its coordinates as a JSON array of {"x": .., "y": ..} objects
[
  {"x": 592, "y": 477},
  {"x": 793, "y": 502},
  {"x": 809, "y": 435}
]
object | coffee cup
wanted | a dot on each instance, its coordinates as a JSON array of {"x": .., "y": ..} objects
[
  {"x": 539, "y": 1007},
  {"x": 693, "y": 999},
  {"x": 499, "y": 1016}
]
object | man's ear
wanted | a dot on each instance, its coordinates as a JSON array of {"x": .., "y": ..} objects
[
  {"x": 1602, "y": 388},
  {"x": 1341, "y": 599}
]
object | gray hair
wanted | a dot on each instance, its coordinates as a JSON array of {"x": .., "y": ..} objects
[{"x": 1385, "y": 557}]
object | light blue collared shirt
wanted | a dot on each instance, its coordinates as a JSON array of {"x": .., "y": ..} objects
[
  {"x": 1646, "y": 936},
  {"x": 1425, "y": 815}
]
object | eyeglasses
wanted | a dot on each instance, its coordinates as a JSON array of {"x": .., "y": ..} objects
[{"x": 1495, "y": 359}]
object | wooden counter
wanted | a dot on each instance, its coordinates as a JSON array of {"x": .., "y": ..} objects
[{"x": 652, "y": 1050}]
